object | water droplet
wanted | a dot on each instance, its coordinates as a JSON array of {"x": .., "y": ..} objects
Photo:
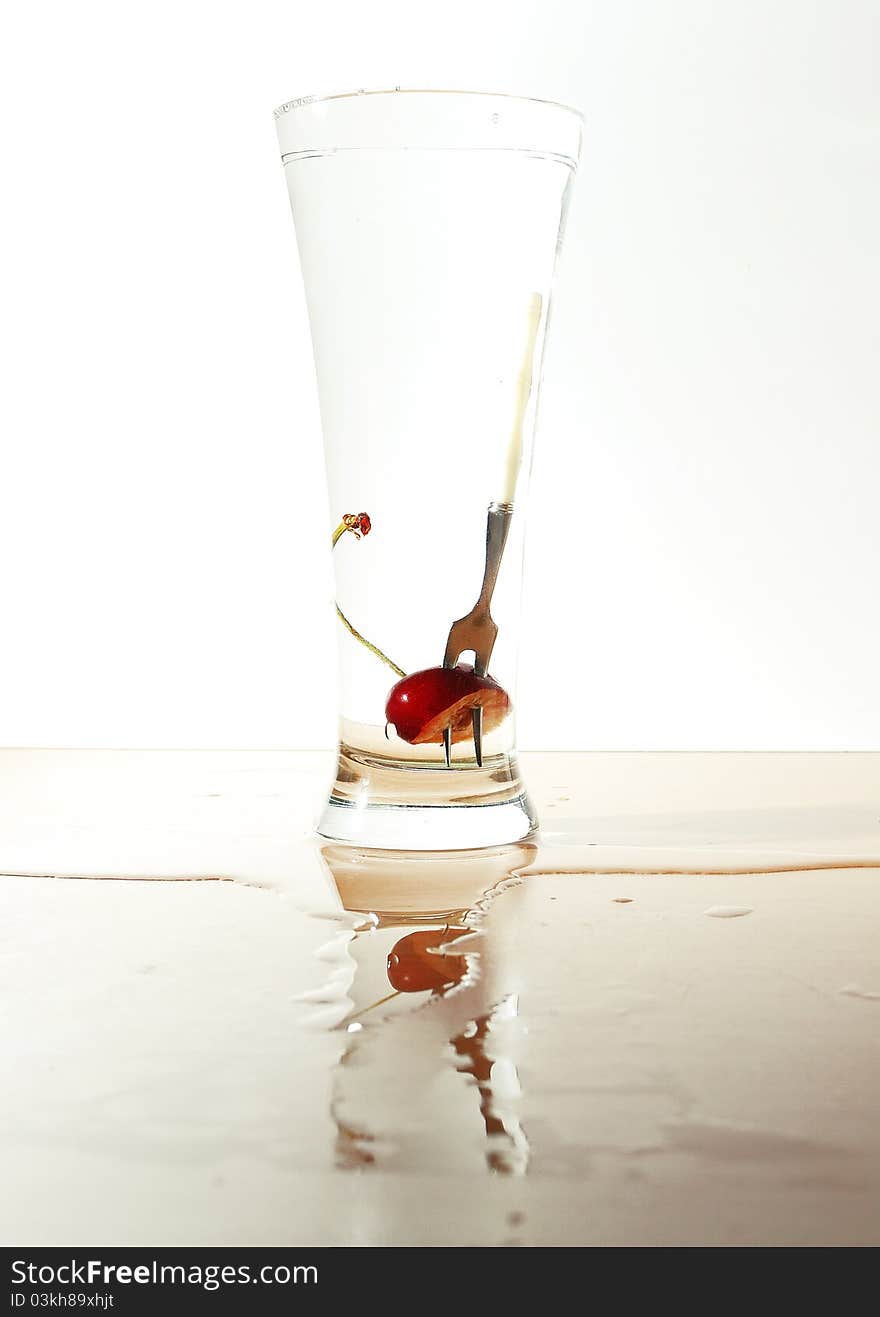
[
  {"x": 728, "y": 911},
  {"x": 853, "y": 990}
]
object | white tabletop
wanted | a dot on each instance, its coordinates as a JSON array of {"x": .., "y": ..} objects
[{"x": 668, "y": 1030}]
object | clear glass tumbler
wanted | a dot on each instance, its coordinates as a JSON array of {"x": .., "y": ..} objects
[{"x": 428, "y": 225}]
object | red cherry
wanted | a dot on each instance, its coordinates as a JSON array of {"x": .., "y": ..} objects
[
  {"x": 425, "y": 703},
  {"x": 415, "y": 966}
]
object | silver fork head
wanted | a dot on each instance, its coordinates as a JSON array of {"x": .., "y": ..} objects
[{"x": 476, "y": 633}]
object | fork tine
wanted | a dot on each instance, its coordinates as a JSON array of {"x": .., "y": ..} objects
[
  {"x": 447, "y": 745},
  {"x": 484, "y": 647},
  {"x": 477, "y": 717}
]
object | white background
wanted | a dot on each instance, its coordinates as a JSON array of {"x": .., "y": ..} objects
[{"x": 704, "y": 549}]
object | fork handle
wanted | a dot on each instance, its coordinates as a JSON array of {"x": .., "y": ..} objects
[{"x": 497, "y": 528}]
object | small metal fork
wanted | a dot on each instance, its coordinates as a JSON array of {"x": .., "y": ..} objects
[{"x": 476, "y": 631}]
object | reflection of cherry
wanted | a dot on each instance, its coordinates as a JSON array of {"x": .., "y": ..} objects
[
  {"x": 425, "y": 703},
  {"x": 414, "y": 964}
]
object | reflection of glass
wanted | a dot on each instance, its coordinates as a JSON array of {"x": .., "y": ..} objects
[
  {"x": 430, "y": 992},
  {"x": 428, "y": 225}
]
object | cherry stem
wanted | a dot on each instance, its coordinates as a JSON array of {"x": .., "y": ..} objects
[
  {"x": 374, "y": 649},
  {"x": 372, "y": 1006},
  {"x": 352, "y": 630}
]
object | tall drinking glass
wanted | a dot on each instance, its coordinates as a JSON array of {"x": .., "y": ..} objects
[{"x": 428, "y": 225}]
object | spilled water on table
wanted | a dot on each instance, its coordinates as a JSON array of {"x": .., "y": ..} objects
[
  {"x": 554, "y": 1010},
  {"x": 676, "y": 1008},
  {"x": 428, "y": 1074}
]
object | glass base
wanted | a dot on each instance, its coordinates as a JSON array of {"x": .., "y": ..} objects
[{"x": 391, "y": 804}]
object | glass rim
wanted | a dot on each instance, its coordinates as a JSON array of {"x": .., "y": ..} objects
[{"x": 306, "y": 102}]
